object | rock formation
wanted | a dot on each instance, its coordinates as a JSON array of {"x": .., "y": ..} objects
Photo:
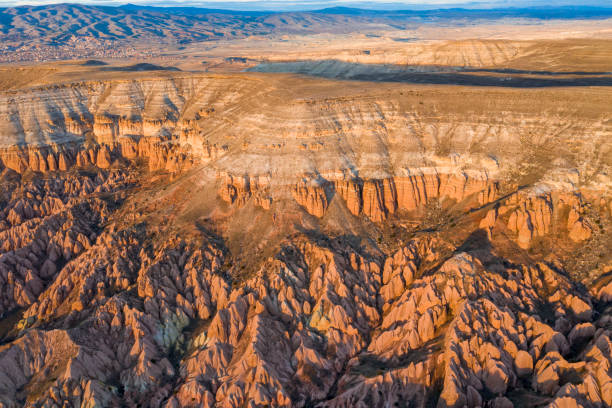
[{"x": 177, "y": 255}]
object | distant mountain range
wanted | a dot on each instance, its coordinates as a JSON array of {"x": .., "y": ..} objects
[
  {"x": 310, "y": 5},
  {"x": 56, "y": 24}
]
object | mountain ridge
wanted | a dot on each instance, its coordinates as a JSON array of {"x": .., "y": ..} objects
[{"x": 134, "y": 22}]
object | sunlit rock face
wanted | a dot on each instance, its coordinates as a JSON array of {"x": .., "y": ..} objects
[{"x": 247, "y": 240}]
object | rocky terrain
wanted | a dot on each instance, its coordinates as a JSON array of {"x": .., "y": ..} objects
[{"x": 252, "y": 240}]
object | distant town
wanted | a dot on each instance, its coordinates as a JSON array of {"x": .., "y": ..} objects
[{"x": 74, "y": 48}]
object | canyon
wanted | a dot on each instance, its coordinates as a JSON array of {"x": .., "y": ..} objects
[
  {"x": 308, "y": 232},
  {"x": 246, "y": 240}
]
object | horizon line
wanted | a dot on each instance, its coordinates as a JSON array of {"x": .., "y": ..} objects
[{"x": 317, "y": 6}]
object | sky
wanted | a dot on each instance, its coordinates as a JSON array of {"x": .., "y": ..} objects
[{"x": 317, "y": 4}]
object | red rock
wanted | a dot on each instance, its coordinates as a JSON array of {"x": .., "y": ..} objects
[
  {"x": 311, "y": 197},
  {"x": 523, "y": 363},
  {"x": 103, "y": 159}
]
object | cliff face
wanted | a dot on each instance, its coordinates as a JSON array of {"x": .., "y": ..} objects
[
  {"x": 196, "y": 242},
  {"x": 156, "y": 151},
  {"x": 379, "y": 198},
  {"x": 283, "y": 127}
]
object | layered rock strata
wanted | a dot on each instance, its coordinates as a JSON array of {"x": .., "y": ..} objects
[{"x": 344, "y": 253}]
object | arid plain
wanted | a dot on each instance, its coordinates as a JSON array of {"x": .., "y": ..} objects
[{"x": 401, "y": 218}]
